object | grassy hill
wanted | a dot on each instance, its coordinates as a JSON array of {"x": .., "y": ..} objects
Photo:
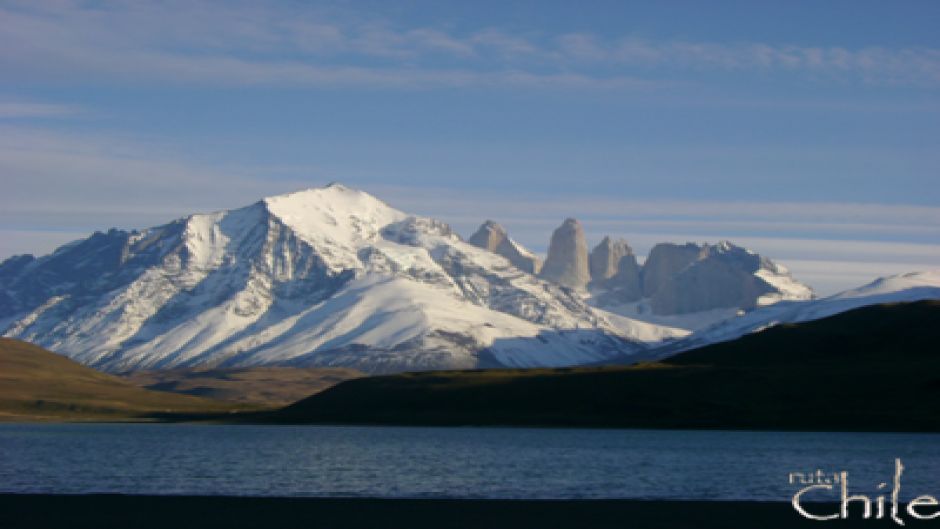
[
  {"x": 266, "y": 386},
  {"x": 36, "y": 384},
  {"x": 874, "y": 368}
]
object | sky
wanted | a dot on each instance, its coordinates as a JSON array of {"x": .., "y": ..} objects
[{"x": 806, "y": 131}]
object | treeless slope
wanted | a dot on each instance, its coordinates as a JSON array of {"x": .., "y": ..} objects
[
  {"x": 36, "y": 384},
  {"x": 874, "y": 369},
  {"x": 269, "y": 386}
]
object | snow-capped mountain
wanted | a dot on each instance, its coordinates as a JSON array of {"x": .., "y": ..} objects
[
  {"x": 689, "y": 286},
  {"x": 335, "y": 277},
  {"x": 914, "y": 286},
  {"x": 684, "y": 287},
  {"x": 327, "y": 276},
  {"x": 493, "y": 237}
]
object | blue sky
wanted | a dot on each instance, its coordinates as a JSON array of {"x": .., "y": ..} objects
[{"x": 806, "y": 130}]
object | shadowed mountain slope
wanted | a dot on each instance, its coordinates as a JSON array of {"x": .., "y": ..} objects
[
  {"x": 267, "y": 386},
  {"x": 323, "y": 277},
  {"x": 873, "y": 368}
]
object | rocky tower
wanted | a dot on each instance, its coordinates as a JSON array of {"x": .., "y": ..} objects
[
  {"x": 567, "y": 262},
  {"x": 605, "y": 258},
  {"x": 324, "y": 276},
  {"x": 622, "y": 287},
  {"x": 722, "y": 276},
  {"x": 626, "y": 283},
  {"x": 493, "y": 237},
  {"x": 664, "y": 262}
]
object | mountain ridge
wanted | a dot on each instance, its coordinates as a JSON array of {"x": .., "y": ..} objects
[
  {"x": 331, "y": 271},
  {"x": 811, "y": 376},
  {"x": 334, "y": 277},
  {"x": 909, "y": 287}
]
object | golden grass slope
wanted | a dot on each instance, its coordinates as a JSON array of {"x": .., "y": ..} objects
[{"x": 36, "y": 384}]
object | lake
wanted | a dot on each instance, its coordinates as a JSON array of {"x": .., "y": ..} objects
[{"x": 357, "y": 461}]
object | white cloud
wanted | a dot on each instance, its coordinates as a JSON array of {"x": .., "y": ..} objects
[
  {"x": 861, "y": 241},
  {"x": 59, "y": 180},
  {"x": 830, "y": 277},
  {"x": 530, "y": 210},
  {"x": 15, "y": 110},
  {"x": 60, "y": 186},
  {"x": 254, "y": 43},
  {"x": 872, "y": 63}
]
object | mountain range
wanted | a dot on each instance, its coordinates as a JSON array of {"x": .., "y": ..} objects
[
  {"x": 873, "y": 368},
  {"x": 333, "y": 276}
]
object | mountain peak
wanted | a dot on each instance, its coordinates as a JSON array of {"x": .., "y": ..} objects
[
  {"x": 567, "y": 261},
  {"x": 493, "y": 236},
  {"x": 321, "y": 276},
  {"x": 334, "y": 276},
  {"x": 490, "y": 228},
  {"x": 333, "y": 214},
  {"x": 604, "y": 259},
  {"x": 911, "y": 281},
  {"x": 331, "y": 190}
]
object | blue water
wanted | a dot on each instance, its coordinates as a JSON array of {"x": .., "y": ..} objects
[{"x": 450, "y": 462}]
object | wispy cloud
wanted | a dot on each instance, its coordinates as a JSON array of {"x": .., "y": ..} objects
[
  {"x": 871, "y": 63},
  {"x": 250, "y": 43},
  {"x": 57, "y": 179},
  {"x": 532, "y": 211},
  {"x": 830, "y": 245},
  {"x": 832, "y": 276},
  {"x": 19, "y": 109},
  {"x": 60, "y": 185}
]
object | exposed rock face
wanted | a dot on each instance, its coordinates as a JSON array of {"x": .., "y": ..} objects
[
  {"x": 675, "y": 279},
  {"x": 567, "y": 262},
  {"x": 723, "y": 276},
  {"x": 614, "y": 269},
  {"x": 605, "y": 257},
  {"x": 493, "y": 237},
  {"x": 326, "y": 276},
  {"x": 488, "y": 236},
  {"x": 664, "y": 262},
  {"x": 625, "y": 286}
]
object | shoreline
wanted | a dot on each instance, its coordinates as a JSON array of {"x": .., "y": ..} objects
[
  {"x": 142, "y": 512},
  {"x": 229, "y": 420}
]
